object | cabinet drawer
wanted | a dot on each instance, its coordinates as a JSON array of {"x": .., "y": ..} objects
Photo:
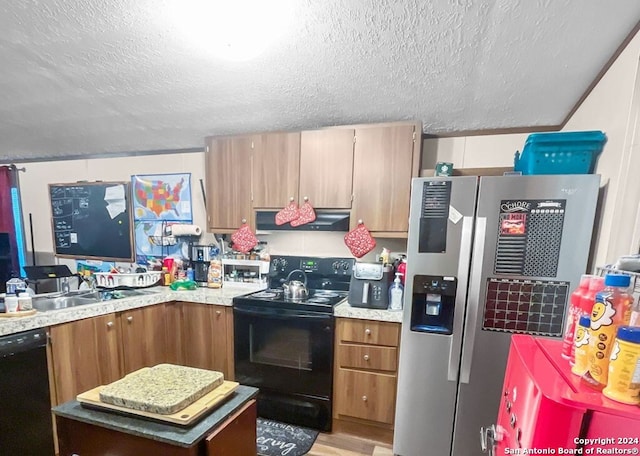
[
  {"x": 368, "y": 332},
  {"x": 368, "y": 357},
  {"x": 366, "y": 395}
]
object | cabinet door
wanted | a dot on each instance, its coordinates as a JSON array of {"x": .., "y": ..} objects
[
  {"x": 175, "y": 349},
  {"x": 366, "y": 395},
  {"x": 382, "y": 171},
  {"x": 205, "y": 337},
  {"x": 276, "y": 169},
  {"x": 326, "y": 167},
  {"x": 228, "y": 173},
  {"x": 85, "y": 354},
  {"x": 237, "y": 435},
  {"x": 144, "y": 337}
]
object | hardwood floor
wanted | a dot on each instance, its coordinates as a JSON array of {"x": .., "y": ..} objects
[{"x": 337, "y": 444}]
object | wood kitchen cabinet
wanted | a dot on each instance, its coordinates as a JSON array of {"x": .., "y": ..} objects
[
  {"x": 144, "y": 337},
  {"x": 365, "y": 377},
  {"x": 84, "y": 354},
  {"x": 326, "y": 167},
  {"x": 386, "y": 157},
  {"x": 275, "y": 169},
  {"x": 208, "y": 337},
  {"x": 228, "y": 172}
]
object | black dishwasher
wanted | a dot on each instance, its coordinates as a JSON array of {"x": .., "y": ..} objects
[{"x": 26, "y": 426}]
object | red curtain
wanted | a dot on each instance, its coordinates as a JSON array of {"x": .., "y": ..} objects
[{"x": 7, "y": 179}]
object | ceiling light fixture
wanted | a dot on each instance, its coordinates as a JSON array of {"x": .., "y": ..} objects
[{"x": 237, "y": 30}]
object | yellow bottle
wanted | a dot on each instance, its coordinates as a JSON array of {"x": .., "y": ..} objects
[
  {"x": 623, "y": 384},
  {"x": 612, "y": 308},
  {"x": 581, "y": 344}
]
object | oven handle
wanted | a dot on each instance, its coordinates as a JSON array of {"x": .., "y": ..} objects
[{"x": 280, "y": 313}]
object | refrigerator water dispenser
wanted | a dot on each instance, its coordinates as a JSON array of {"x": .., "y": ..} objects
[{"x": 433, "y": 304}]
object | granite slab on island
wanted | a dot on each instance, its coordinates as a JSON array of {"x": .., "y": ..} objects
[
  {"x": 185, "y": 437},
  {"x": 163, "y": 389}
]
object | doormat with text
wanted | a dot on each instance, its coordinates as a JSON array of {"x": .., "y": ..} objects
[{"x": 281, "y": 439}]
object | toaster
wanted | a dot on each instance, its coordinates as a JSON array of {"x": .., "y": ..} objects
[{"x": 369, "y": 286}]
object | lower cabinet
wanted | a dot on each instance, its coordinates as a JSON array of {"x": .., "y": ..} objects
[
  {"x": 365, "y": 377},
  {"x": 96, "y": 351},
  {"x": 84, "y": 354},
  {"x": 208, "y": 337}
]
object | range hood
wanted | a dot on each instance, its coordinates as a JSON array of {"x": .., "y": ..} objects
[{"x": 325, "y": 221}]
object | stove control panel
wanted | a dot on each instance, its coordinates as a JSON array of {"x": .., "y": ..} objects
[{"x": 282, "y": 265}]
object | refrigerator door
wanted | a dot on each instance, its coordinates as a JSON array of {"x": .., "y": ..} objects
[
  {"x": 532, "y": 240},
  {"x": 438, "y": 251}
]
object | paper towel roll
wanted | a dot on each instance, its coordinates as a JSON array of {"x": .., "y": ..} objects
[{"x": 184, "y": 230}]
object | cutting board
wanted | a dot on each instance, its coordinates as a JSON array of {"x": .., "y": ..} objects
[
  {"x": 22, "y": 313},
  {"x": 184, "y": 417}
]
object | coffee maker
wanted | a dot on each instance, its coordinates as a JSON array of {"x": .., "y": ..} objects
[
  {"x": 369, "y": 286},
  {"x": 201, "y": 256}
]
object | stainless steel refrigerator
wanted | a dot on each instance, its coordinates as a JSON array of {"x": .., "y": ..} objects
[{"x": 486, "y": 258}]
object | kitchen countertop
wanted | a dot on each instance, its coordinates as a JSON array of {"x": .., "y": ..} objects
[
  {"x": 221, "y": 296},
  {"x": 162, "y": 432},
  {"x": 344, "y": 310}
]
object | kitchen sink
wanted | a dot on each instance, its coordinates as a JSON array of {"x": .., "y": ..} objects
[{"x": 71, "y": 299}]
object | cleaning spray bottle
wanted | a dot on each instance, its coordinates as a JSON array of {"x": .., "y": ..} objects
[{"x": 396, "y": 290}]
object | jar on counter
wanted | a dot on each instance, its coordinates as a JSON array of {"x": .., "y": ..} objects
[{"x": 623, "y": 384}]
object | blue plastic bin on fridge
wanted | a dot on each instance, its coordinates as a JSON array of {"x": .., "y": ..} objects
[{"x": 572, "y": 152}]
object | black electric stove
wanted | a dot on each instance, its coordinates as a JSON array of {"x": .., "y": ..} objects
[
  {"x": 327, "y": 280},
  {"x": 285, "y": 346}
]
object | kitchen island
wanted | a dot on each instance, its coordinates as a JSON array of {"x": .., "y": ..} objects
[{"x": 229, "y": 429}]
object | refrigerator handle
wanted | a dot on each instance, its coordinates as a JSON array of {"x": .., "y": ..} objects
[
  {"x": 463, "y": 280},
  {"x": 473, "y": 301}
]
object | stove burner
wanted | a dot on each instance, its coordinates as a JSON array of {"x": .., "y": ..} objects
[
  {"x": 270, "y": 293},
  {"x": 319, "y": 300},
  {"x": 325, "y": 294}
]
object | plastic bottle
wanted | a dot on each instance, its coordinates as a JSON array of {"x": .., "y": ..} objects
[
  {"x": 612, "y": 309},
  {"x": 623, "y": 384},
  {"x": 581, "y": 344},
  {"x": 190, "y": 275},
  {"x": 573, "y": 316},
  {"x": 402, "y": 268},
  {"x": 396, "y": 290},
  {"x": 587, "y": 300}
]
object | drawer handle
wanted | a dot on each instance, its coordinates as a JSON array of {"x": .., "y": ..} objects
[
  {"x": 364, "y": 398},
  {"x": 129, "y": 319},
  {"x": 109, "y": 324},
  {"x": 366, "y": 357},
  {"x": 367, "y": 332},
  {"x": 218, "y": 312}
]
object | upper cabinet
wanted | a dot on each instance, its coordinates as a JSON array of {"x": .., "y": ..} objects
[
  {"x": 275, "y": 170},
  {"x": 228, "y": 172},
  {"x": 326, "y": 167},
  {"x": 386, "y": 157},
  {"x": 366, "y": 169}
]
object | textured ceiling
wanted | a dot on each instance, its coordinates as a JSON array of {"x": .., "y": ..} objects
[{"x": 90, "y": 77}]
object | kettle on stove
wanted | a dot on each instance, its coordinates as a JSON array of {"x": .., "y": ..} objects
[
  {"x": 369, "y": 286},
  {"x": 295, "y": 289}
]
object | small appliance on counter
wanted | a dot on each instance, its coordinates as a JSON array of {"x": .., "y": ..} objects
[
  {"x": 369, "y": 286},
  {"x": 201, "y": 256}
]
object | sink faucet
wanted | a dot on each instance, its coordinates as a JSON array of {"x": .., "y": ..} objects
[{"x": 65, "y": 285}]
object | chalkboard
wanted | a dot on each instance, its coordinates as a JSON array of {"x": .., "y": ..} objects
[{"x": 92, "y": 220}]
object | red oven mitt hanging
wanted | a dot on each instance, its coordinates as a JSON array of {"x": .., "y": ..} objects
[
  {"x": 289, "y": 213},
  {"x": 359, "y": 240},
  {"x": 307, "y": 214},
  {"x": 244, "y": 239}
]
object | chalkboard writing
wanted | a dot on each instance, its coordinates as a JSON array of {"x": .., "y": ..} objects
[{"x": 92, "y": 220}]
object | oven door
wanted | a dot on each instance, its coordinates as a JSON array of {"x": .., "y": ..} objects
[{"x": 282, "y": 350}]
